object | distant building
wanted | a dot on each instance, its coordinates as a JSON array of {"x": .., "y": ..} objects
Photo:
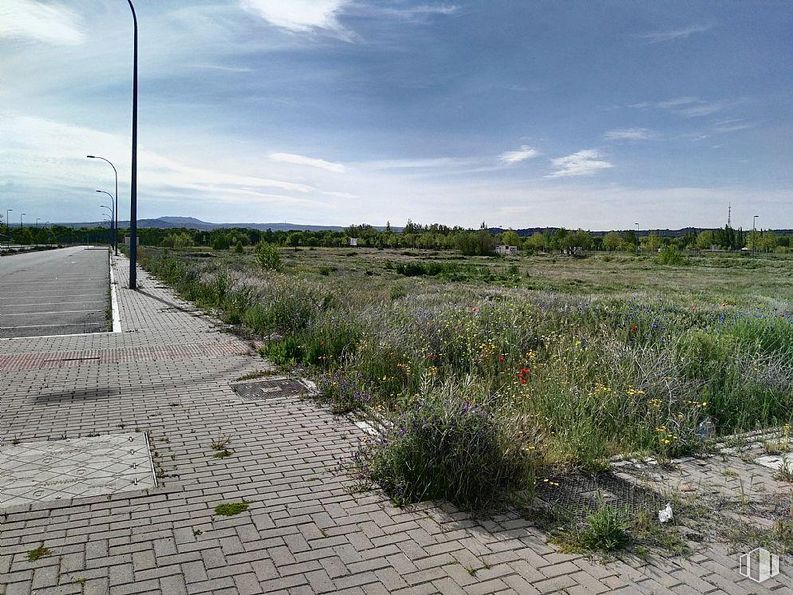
[
  {"x": 353, "y": 241},
  {"x": 507, "y": 250}
]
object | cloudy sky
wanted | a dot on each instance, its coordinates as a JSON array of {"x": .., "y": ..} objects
[{"x": 520, "y": 113}]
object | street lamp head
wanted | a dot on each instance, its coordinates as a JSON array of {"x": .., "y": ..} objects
[{"x": 91, "y": 156}]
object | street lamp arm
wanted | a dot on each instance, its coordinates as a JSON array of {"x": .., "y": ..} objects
[
  {"x": 115, "y": 204},
  {"x": 105, "y": 160}
]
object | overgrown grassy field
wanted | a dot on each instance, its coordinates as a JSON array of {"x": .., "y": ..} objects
[{"x": 495, "y": 370}]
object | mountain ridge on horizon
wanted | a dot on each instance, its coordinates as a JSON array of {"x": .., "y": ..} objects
[{"x": 178, "y": 222}]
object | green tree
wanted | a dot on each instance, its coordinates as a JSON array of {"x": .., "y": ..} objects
[
  {"x": 511, "y": 238},
  {"x": 705, "y": 239},
  {"x": 536, "y": 242},
  {"x": 768, "y": 241},
  {"x": 268, "y": 257},
  {"x": 652, "y": 242},
  {"x": 612, "y": 241}
]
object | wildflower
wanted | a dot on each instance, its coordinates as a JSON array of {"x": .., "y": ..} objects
[{"x": 524, "y": 375}]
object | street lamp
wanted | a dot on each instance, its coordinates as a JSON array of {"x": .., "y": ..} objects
[
  {"x": 133, "y": 203},
  {"x": 637, "y": 237},
  {"x": 115, "y": 208},
  {"x": 20, "y": 219},
  {"x": 8, "y": 228},
  {"x": 113, "y": 242},
  {"x": 754, "y": 233},
  {"x": 109, "y": 218}
]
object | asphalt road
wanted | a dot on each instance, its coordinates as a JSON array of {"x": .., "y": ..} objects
[{"x": 55, "y": 292}]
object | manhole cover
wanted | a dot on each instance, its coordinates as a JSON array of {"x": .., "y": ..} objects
[
  {"x": 271, "y": 388},
  {"x": 32, "y": 472},
  {"x": 578, "y": 494}
]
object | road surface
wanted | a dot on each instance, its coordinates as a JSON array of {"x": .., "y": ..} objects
[{"x": 55, "y": 292}]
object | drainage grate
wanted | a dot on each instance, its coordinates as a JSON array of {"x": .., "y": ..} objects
[
  {"x": 272, "y": 388},
  {"x": 577, "y": 494}
]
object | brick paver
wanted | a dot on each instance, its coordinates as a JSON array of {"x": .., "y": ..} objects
[{"x": 306, "y": 531}]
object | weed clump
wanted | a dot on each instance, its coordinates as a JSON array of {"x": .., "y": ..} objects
[
  {"x": 37, "y": 553},
  {"x": 442, "y": 448},
  {"x": 231, "y": 508}
]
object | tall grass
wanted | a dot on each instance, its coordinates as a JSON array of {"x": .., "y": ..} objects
[{"x": 594, "y": 376}]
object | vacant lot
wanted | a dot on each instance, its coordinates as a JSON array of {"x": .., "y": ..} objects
[{"x": 494, "y": 371}]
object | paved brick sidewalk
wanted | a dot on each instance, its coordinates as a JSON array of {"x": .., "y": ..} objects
[{"x": 168, "y": 374}]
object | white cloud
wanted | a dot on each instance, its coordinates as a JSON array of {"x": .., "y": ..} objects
[
  {"x": 671, "y": 35},
  {"x": 422, "y": 163},
  {"x": 525, "y": 152},
  {"x": 47, "y": 23},
  {"x": 298, "y": 15},
  {"x": 416, "y": 12},
  {"x": 308, "y": 161},
  {"x": 582, "y": 163},
  {"x": 733, "y": 125},
  {"x": 347, "y": 195},
  {"x": 692, "y": 107},
  {"x": 53, "y": 153},
  {"x": 630, "y": 134}
]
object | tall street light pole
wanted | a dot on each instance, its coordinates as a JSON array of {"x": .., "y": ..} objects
[
  {"x": 133, "y": 206},
  {"x": 754, "y": 233},
  {"x": 113, "y": 229},
  {"x": 115, "y": 208},
  {"x": 637, "y": 237},
  {"x": 8, "y": 227},
  {"x": 20, "y": 219},
  {"x": 109, "y": 227}
]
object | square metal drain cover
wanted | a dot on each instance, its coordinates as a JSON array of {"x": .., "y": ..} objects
[
  {"x": 272, "y": 387},
  {"x": 32, "y": 472}
]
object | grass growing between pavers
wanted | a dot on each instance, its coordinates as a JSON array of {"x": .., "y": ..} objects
[
  {"x": 529, "y": 365},
  {"x": 778, "y": 538},
  {"x": 37, "y": 553},
  {"x": 231, "y": 508},
  {"x": 220, "y": 446},
  {"x": 255, "y": 375},
  {"x": 612, "y": 529}
]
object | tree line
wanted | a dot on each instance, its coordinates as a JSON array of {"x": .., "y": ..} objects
[{"x": 432, "y": 237}]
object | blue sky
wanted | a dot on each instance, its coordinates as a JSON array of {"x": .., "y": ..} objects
[{"x": 518, "y": 113}]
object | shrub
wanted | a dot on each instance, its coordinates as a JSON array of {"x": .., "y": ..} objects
[
  {"x": 669, "y": 255},
  {"x": 445, "y": 448},
  {"x": 268, "y": 257},
  {"x": 344, "y": 391},
  {"x": 177, "y": 240}
]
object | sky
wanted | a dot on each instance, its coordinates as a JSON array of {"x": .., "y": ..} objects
[{"x": 518, "y": 113}]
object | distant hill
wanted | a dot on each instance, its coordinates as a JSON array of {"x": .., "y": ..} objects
[{"x": 193, "y": 223}]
